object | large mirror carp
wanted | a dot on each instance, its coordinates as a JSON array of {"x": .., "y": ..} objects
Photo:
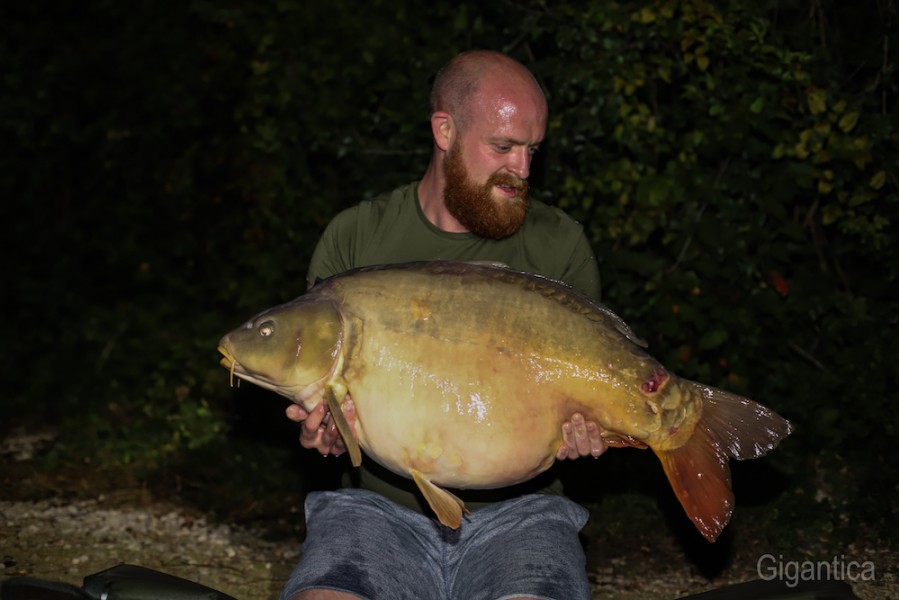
[{"x": 463, "y": 373}]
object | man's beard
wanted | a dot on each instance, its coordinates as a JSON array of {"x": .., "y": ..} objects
[{"x": 475, "y": 207}]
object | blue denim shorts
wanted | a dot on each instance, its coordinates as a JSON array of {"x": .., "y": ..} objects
[{"x": 363, "y": 544}]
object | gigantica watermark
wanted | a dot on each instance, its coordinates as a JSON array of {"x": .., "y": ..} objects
[{"x": 791, "y": 572}]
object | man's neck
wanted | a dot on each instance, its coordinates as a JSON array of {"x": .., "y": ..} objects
[{"x": 430, "y": 197}]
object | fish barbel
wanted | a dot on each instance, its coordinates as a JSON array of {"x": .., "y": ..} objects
[{"x": 463, "y": 373}]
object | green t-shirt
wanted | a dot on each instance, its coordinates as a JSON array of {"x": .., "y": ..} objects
[{"x": 392, "y": 228}]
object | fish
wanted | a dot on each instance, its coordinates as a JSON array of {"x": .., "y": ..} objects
[{"x": 462, "y": 374}]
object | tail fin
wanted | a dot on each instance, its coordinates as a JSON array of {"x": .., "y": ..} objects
[{"x": 730, "y": 427}]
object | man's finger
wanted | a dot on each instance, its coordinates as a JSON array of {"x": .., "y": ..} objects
[
  {"x": 315, "y": 418},
  {"x": 295, "y": 412},
  {"x": 579, "y": 430},
  {"x": 568, "y": 449}
]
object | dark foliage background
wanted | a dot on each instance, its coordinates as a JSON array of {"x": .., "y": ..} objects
[{"x": 167, "y": 167}]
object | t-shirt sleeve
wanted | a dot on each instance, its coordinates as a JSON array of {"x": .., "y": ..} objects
[
  {"x": 335, "y": 250},
  {"x": 557, "y": 247},
  {"x": 582, "y": 271}
]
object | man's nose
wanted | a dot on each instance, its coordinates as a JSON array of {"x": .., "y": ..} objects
[{"x": 520, "y": 162}]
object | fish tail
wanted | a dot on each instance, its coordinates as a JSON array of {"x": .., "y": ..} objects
[{"x": 730, "y": 426}]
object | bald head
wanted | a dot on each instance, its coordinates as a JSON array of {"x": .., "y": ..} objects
[{"x": 464, "y": 82}]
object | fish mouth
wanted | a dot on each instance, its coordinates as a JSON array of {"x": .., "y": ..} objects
[
  {"x": 226, "y": 356},
  {"x": 229, "y": 362},
  {"x": 237, "y": 370}
]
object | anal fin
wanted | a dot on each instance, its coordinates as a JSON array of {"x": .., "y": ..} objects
[
  {"x": 448, "y": 508},
  {"x": 620, "y": 440}
]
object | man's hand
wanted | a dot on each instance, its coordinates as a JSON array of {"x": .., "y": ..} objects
[
  {"x": 580, "y": 438},
  {"x": 318, "y": 429}
]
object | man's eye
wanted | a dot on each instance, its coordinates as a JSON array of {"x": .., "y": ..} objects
[
  {"x": 502, "y": 149},
  {"x": 533, "y": 150}
]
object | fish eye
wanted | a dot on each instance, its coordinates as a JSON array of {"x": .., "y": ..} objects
[{"x": 266, "y": 328}]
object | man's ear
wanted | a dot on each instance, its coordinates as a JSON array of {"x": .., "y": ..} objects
[{"x": 444, "y": 129}]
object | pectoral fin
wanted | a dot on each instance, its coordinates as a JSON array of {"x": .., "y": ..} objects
[
  {"x": 349, "y": 440},
  {"x": 446, "y": 506}
]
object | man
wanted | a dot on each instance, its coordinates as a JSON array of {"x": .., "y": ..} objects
[{"x": 489, "y": 118}]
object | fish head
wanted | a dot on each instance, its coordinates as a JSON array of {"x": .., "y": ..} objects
[{"x": 292, "y": 349}]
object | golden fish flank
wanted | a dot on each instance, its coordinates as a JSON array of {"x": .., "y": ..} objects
[
  {"x": 420, "y": 310},
  {"x": 483, "y": 364}
]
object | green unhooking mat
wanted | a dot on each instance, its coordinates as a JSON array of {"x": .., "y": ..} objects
[{"x": 122, "y": 582}]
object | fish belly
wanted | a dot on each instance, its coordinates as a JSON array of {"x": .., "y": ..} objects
[{"x": 476, "y": 421}]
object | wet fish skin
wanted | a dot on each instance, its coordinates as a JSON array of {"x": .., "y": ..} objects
[{"x": 462, "y": 373}]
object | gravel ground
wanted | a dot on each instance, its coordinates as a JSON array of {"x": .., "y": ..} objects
[{"x": 65, "y": 541}]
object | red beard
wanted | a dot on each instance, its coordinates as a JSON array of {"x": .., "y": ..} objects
[{"x": 475, "y": 207}]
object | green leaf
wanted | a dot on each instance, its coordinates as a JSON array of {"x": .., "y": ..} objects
[
  {"x": 817, "y": 100},
  {"x": 712, "y": 339},
  {"x": 847, "y": 122},
  {"x": 878, "y": 180},
  {"x": 758, "y": 105}
]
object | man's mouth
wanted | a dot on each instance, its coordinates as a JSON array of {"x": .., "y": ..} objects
[
  {"x": 510, "y": 190},
  {"x": 507, "y": 190}
]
